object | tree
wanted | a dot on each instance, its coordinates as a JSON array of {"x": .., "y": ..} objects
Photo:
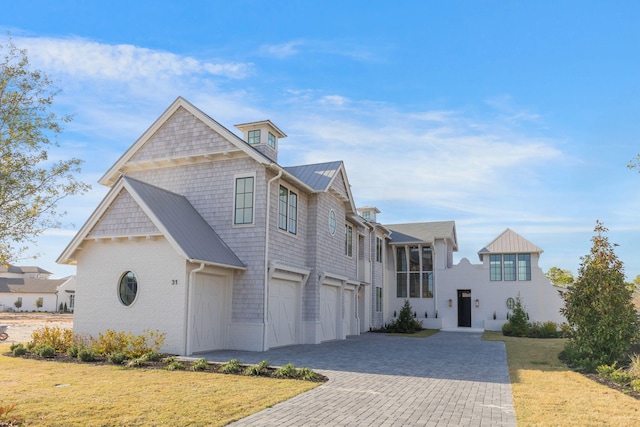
[
  {"x": 405, "y": 323},
  {"x": 599, "y": 309},
  {"x": 31, "y": 186},
  {"x": 559, "y": 277},
  {"x": 518, "y": 323},
  {"x": 18, "y": 303}
]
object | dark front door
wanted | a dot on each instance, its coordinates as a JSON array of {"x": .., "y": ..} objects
[{"x": 464, "y": 308}]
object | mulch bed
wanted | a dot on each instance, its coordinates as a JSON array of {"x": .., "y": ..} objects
[{"x": 160, "y": 364}]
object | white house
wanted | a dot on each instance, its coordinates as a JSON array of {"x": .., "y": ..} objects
[
  {"x": 205, "y": 237},
  {"x": 30, "y": 288}
]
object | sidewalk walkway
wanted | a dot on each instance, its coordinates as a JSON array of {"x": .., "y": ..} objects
[{"x": 449, "y": 379}]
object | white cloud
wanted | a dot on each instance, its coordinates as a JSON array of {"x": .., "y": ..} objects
[
  {"x": 87, "y": 59},
  {"x": 280, "y": 51}
]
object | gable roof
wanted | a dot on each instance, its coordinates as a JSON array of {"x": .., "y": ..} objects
[
  {"x": 509, "y": 242},
  {"x": 30, "y": 285},
  {"x": 111, "y": 176},
  {"x": 176, "y": 218},
  {"x": 423, "y": 232},
  {"x": 319, "y": 177}
]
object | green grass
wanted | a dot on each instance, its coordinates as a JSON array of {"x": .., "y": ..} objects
[
  {"x": 547, "y": 393},
  {"x": 49, "y": 393}
]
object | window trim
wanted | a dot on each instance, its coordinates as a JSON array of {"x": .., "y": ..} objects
[
  {"x": 378, "y": 249},
  {"x": 251, "y": 136},
  {"x": 411, "y": 282},
  {"x": 526, "y": 267},
  {"x": 495, "y": 269},
  {"x": 290, "y": 215},
  {"x": 348, "y": 240},
  {"x": 136, "y": 292},
  {"x": 332, "y": 222},
  {"x": 236, "y": 178}
]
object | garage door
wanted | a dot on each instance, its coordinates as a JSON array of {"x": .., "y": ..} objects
[
  {"x": 284, "y": 312},
  {"x": 349, "y": 309},
  {"x": 329, "y": 312},
  {"x": 209, "y": 318}
]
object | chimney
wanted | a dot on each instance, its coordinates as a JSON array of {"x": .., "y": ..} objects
[{"x": 263, "y": 136}]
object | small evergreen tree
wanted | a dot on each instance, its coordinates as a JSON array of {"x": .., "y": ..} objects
[
  {"x": 599, "y": 309},
  {"x": 405, "y": 323},
  {"x": 18, "y": 303},
  {"x": 518, "y": 323}
]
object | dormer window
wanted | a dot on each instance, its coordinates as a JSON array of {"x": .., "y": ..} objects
[
  {"x": 272, "y": 140},
  {"x": 253, "y": 136}
]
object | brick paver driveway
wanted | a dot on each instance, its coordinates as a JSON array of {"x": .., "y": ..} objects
[{"x": 449, "y": 379}]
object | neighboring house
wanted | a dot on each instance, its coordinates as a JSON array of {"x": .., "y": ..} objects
[
  {"x": 30, "y": 287},
  {"x": 206, "y": 238}
]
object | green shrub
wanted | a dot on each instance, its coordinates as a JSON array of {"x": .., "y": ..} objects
[
  {"x": 606, "y": 370},
  {"x": 175, "y": 365},
  {"x": 257, "y": 369},
  {"x": 307, "y": 374},
  {"x": 116, "y": 358},
  {"x": 150, "y": 341},
  {"x": 622, "y": 377},
  {"x": 19, "y": 350},
  {"x": 200, "y": 365},
  {"x": 506, "y": 329},
  {"x": 86, "y": 354},
  {"x": 287, "y": 371},
  {"x": 635, "y": 385},
  {"x": 565, "y": 331},
  {"x": 111, "y": 342},
  {"x": 151, "y": 356},
  {"x": 405, "y": 323},
  {"x": 550, "y": 330},
  {"x": 44, "y": 350},
  {"x": 231, "y": 367}
]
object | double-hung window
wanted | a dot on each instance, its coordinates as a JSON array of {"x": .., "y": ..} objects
[
  {"x": 378, "y": 249},
  {"x": 272, "y": 140},
  {"x": 348, "y": 240},
  {"x": 244, "y": 201},
  {"x": 288, "y": 210}
]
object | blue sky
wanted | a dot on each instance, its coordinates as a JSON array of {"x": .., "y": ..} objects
[{"x": 494, "y": 114}]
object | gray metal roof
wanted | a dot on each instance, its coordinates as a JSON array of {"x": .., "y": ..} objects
[
  {"x": 510, "y": 242},
  {"x": 418, "y": 232},
  {"x": 185, "y": 225},
  {"x": 317, "y": 176},
  {"x": 30, "y": 285}
]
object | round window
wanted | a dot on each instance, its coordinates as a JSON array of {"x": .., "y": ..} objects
[
  {"x": 510, "y": 303},
  {"x": 332, "y": 222},
  {"x": 128, "y": 288}
]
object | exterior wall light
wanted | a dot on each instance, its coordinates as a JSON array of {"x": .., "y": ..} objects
[
  {"x": 450, "y": 302},
  {"x": 477, "y": 303}
]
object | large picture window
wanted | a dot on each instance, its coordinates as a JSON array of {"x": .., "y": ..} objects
[
  {"x": 414, "y": 275},
  {"x": 128, "y": 288},
  {"x": 244, "y": 201},
  {"x": 288, "y": 210},
  {"x": 510, "y": 267}
]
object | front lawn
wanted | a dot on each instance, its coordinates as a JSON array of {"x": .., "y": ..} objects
[
  {"x": 547, "y": 393},
  {"x": 49, "y": 393}
]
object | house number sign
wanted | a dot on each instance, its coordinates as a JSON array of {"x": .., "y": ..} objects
[
  {"x": 510, "y": 303},
  {"x": 174, "y": 282}
]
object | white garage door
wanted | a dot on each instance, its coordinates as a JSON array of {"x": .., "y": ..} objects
[
  {"x": 209, "y": 317},
  {"x": 349, "y": 309},
  {"x": 329, "y": 312},
  {"x": 284, "y": 312}
]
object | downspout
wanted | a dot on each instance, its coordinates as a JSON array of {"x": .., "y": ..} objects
[
  {"x": 187, "y": 329},
  {"x": 266, "y": 263}
]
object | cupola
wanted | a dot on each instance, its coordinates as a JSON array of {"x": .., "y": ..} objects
[
  {"x": 263, "y": 136},
  {"x": 368, "y": 213}
]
